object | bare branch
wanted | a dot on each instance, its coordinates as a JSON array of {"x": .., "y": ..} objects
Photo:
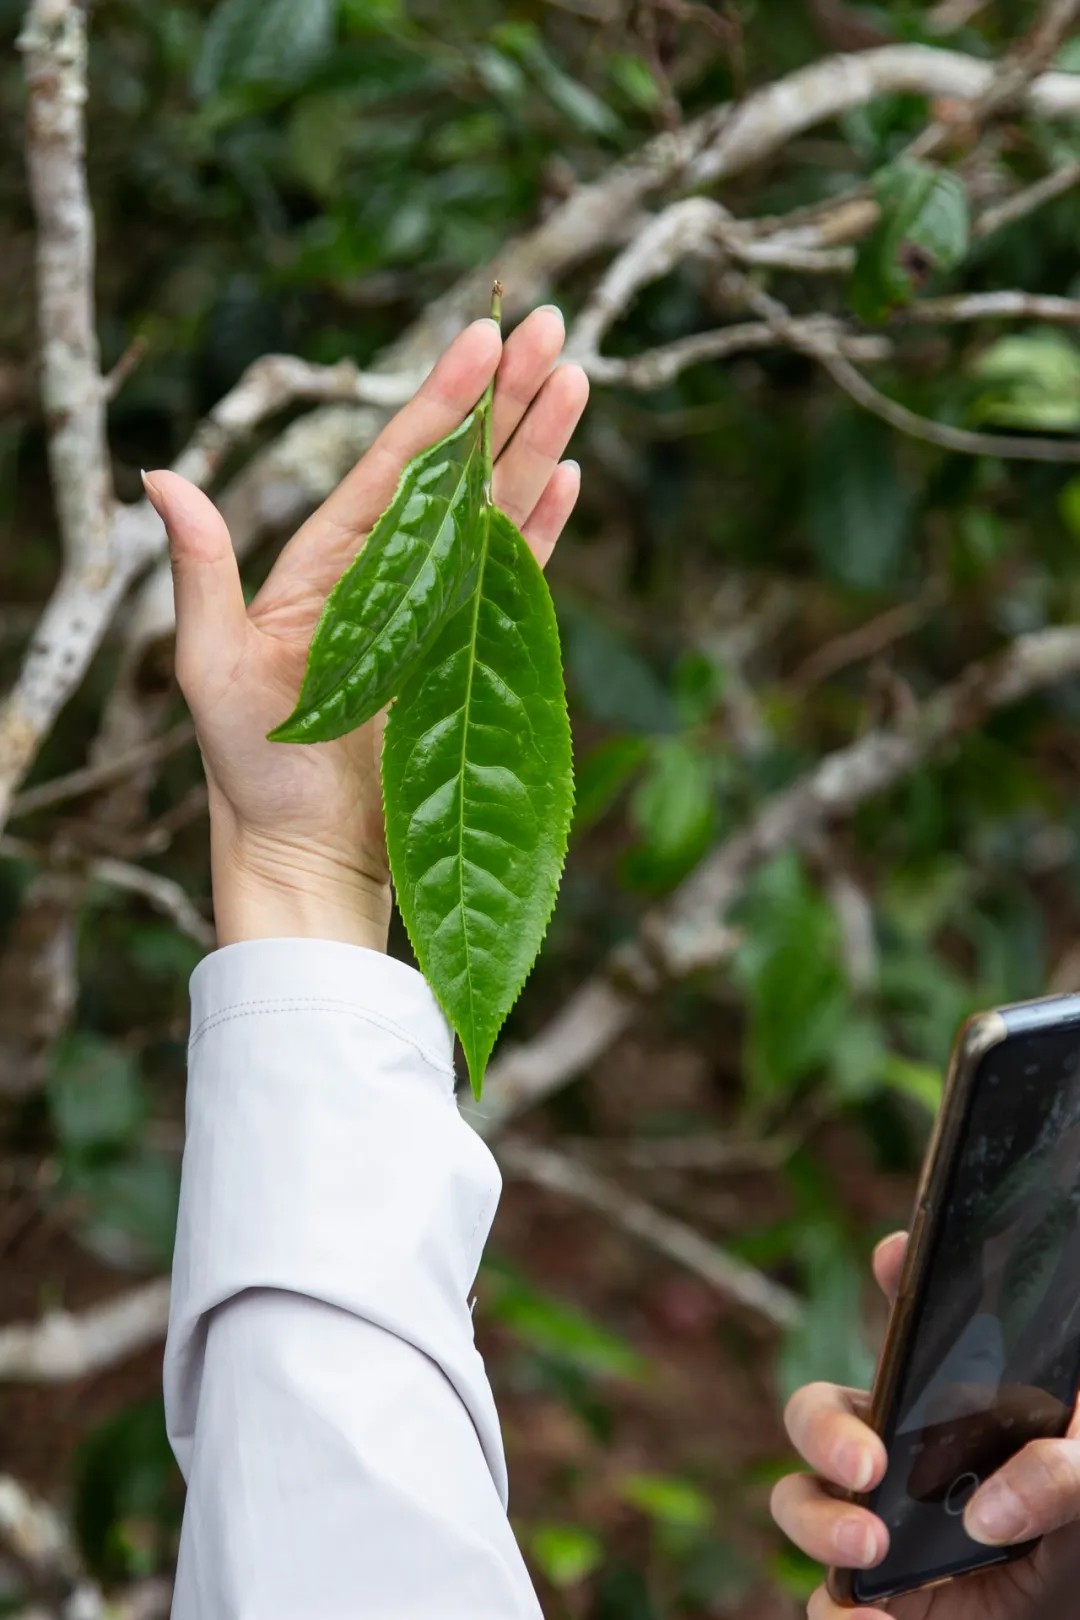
[
  {"x": 164, "y": 894},
  {"x": 673, "y": 1238},
  {"x": 996, "y": 306},
  {"x": 1025, "y": 202},
  {"x": 767, "y": 120},
  {"x": 865, "y": 641},
  {"x": 54, "y": 42},
  {"x": 656, "y": 367},
  {"x": 274, "y": 382},
  {"x": 1009, "y": 446},
  {"x": 63, "y": 1346},
  {"x": 89, "y": 778}
]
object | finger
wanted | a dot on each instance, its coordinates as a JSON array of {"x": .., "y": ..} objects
[
  {"x": 549, "y": 516},
  {"x": 822, "y": 1607},
  {"x": 888, "y": 1264},
  {"x": 324, "y": 545},
  {"x": 826, "y": 1427},
  {"x": 523, "y": 469},
  {"x": 824, "y": 1528},
  {"x": 211, "y": 618},
  {"x": 1036, "y": 1492},
  {"x": 527, "y": 358}
]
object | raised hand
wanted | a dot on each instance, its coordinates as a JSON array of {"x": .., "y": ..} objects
[{"x": 296, "y": 830}]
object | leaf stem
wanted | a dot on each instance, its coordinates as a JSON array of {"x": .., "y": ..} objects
[{"x": 489, "y": 395}]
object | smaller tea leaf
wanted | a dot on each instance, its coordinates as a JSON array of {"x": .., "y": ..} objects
[
  {"x": 418, "y": 562},
  {"x": 923, "y": 228},
  {"x": 478, "y": 791}
]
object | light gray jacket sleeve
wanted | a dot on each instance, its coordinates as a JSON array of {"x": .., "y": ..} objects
[{"x": 324, "y": 1396}]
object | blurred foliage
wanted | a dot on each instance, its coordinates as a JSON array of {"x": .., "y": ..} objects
[{"x": 275, "y": 175}]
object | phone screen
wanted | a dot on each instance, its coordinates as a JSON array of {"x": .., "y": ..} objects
[{"x": 994, "y": 1358}]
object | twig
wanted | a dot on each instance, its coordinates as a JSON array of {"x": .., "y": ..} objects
[
  {"x": 846, "y": 779},
  {"x": 679, "y": 1153},
  {"x": 129, "y": 362},
  {"x": 63, "y": 1346},
  {"x": 995, "y": 306},
  {"x": 89, "y": 778},
  {"x": 965, "y": 440},
  {"x": 1025, "y": 202},
  {"x": 732, "y": 1278},
  {"x": 952, "y": 15},
  {"x": 866, "y": 641},
  {"x": 656, "y": 367},
  {"x": 164, "y": 894},
  {"x": 273, "y": 383}
]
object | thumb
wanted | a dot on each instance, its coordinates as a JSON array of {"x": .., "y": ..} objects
[
  {"x": 1036, "y": 1492},
  {"x": 211, "y": 616}
]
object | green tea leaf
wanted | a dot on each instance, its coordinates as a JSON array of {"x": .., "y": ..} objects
[
  {"x": 562, "y": 1332},
  {"x": 477, "y": 783},
  {"x": 262, "y": 42},
  {"x": 1030, "y": 380},
  {"x": 384, "y": 612},
  {"x": 924, "y": 227},
  {"x": 859, "y": 508},
  {"x": 565, "y": 1554},
  {"x": 95, "y": 1098},
  {"x": 668, "y": 1500}
]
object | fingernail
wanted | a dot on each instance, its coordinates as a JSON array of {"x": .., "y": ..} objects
[
  {"x": 552, "y": 309},
  {"x": 570, "y": 462},
  {"x": 856, "y": 1543},
  {"x": 854, "y": 1465},
  {"x": 997, "y": 1516},
  {"x": 153, "y": 494},
  {"x": 489, "y": 320}
]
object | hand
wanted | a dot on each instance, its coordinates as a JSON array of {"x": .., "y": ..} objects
[
  {"x": 1037, "y": 1493},
  {"x": 297, "y": 841}
]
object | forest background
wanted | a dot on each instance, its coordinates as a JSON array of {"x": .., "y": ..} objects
[{"x": 819, "y": 611}]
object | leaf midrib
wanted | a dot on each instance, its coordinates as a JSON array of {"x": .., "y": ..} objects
[{"x": 477, "y": 599}]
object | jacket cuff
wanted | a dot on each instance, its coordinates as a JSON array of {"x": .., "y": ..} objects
[{"x": 320, "y": 975}]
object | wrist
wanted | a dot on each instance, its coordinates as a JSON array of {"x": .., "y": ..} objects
[{"x": 274, "y": 888}]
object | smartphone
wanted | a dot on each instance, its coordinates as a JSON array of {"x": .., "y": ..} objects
[{"x": 982, "y": 1353}]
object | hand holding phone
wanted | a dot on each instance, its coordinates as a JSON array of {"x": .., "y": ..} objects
[{"x": 827, "y": 1425}]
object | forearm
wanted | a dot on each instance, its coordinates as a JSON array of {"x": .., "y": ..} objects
[{"x": 324, "y": 1395}]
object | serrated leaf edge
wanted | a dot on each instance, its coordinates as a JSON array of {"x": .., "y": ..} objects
[{"x": 476, "y": 1079}]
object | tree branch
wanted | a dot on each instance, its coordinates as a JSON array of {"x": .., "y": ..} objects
[
  {"x": 732, "y": 1278},
  {"x": 62, "y": 1346},
  {"x": 1009, "y": 446},
  {"x": 54, "y": 42}
]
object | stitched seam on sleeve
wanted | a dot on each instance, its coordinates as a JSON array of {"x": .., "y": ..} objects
[{"x": 254, "y": 1009}]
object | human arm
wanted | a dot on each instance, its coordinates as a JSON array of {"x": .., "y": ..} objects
[{"x": 323, "y": 1393}]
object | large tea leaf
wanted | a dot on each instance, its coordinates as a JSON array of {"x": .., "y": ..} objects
[
  {"x": 262, "y": 42},
  {"x": 417, "y": 562},
  {"x": 477, "y": 783}
]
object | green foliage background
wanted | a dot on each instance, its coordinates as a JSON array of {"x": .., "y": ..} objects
[{"x": 271, "y": 175}]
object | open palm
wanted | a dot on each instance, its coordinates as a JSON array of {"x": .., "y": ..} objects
[
  {"x": 240, "y": 667},
  {"x": 828, "y": 1427}
]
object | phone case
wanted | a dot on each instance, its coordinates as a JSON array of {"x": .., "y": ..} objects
[{"x": 978, "y": 1036}]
